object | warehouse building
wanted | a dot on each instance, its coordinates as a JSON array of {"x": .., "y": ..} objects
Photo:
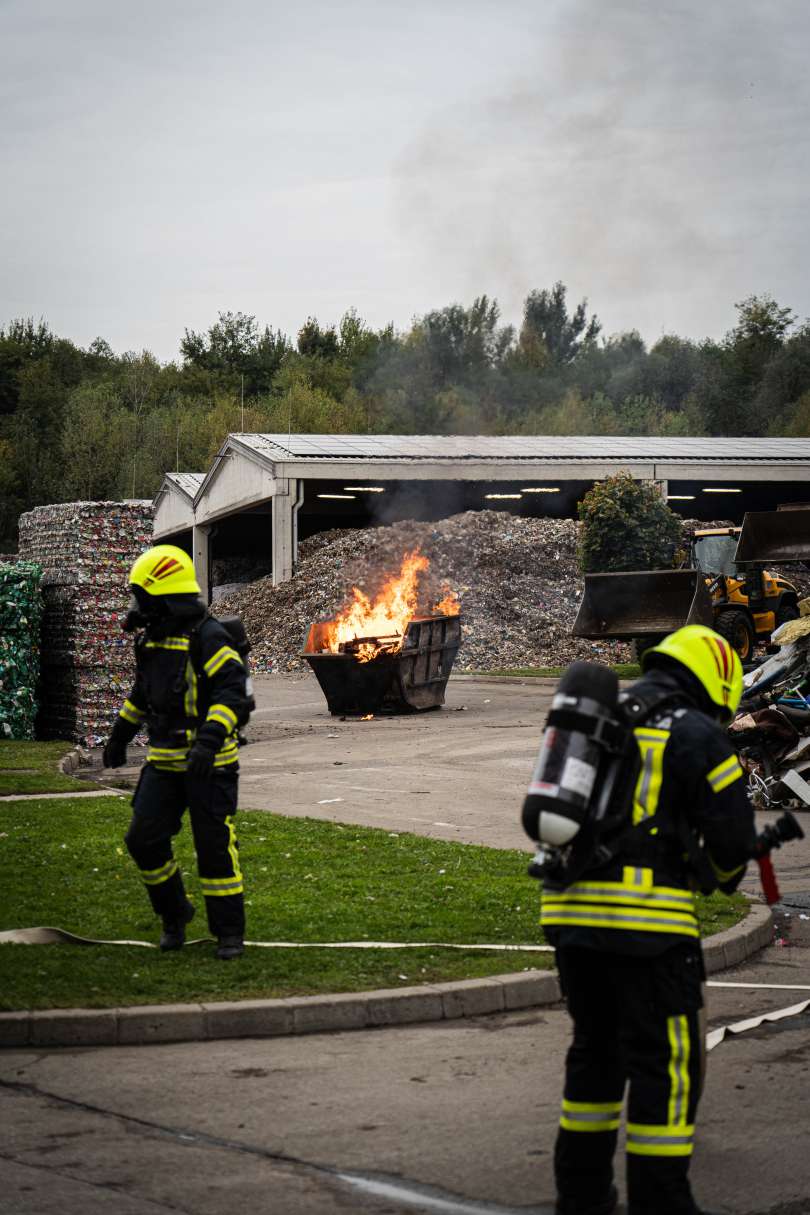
[{"x": 265, "y": 492}]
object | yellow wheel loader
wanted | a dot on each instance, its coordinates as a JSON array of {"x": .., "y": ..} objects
[
  {"x": 726, "y": 587},
  {"x": 748, "y": 603}
]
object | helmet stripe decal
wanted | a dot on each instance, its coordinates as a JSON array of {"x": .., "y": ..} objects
[
  {"x": 727, "y": 658},
  {"x": 165, "y": 567},
  {"x": 721, "y": 645},
  {"x": 713, "y": 653}
]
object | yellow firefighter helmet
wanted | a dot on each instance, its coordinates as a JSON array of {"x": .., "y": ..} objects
[
  {"x": 710, "y": 658},
  {"x": 165, "y": 570}
]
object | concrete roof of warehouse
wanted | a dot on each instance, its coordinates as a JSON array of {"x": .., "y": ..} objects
[
  {"x": 187, "y": 483},
  {"x": 250, "y": 468},
  {"x": 298, "y": 448}
]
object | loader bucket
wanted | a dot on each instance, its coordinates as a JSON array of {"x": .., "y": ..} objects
[
  {"x": 774, "y": 536},
  {"x": 647, "y": 604}
]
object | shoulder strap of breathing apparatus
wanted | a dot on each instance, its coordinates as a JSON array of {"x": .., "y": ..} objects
[
  {"x": 638, "y": 707},
  {"x": 234, "y": 627}
]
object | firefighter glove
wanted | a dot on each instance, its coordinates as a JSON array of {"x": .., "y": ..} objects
[
  {"x": 115, "y": 753},
  {"x": 201, "y": 760},
  {"x": 115, "y": 750}
]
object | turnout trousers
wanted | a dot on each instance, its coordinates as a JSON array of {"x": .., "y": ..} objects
[
  {"x": 158, "y": 805},
  {"x": 637, "y": 1023}
]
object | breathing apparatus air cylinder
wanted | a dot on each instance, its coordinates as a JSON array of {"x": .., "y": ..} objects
[{"x": 574, "y": 775}]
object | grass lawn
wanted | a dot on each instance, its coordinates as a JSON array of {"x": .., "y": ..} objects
[
  {"x": 624, "y": 670},
  {"x": 65, "y": 865},
  {"x": 33, "y": 767}
]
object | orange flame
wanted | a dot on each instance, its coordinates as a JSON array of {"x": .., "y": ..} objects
[
  {"x": 384, "y": 621},
  {"x": 449, "y": 605}
]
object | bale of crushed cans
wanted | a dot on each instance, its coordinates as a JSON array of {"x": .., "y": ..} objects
[
  {"x": 20, "y": 618},
  {"x": 86, "y": 550}
]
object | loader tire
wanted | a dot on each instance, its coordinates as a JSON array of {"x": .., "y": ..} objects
[
  {"x": 640, "y": 645},
  {"x": 787, "y": 611},
  {"x": 738, "y": 631}
]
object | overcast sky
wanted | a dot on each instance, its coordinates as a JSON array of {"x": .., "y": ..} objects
[{"x": 169, "y": 159}]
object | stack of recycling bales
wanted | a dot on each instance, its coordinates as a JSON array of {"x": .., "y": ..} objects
[
  {"x": 20, "y": 617},
  {"x": 86, "y": 550}
]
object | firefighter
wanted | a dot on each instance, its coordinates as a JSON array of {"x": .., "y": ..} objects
[
  {"x": 190, "y": 693},
  {"x": 627, "y": 943}
]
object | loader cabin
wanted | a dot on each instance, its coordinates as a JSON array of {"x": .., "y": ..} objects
[{"x": 748, "y": 602}]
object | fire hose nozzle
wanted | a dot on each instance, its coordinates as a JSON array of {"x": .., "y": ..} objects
[{"x": 774, "y": 835}]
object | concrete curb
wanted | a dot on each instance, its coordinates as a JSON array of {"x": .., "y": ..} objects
[
  {"x": 544, "y": 681},
  {"x": 737, "y": 944},
  {"x": 79, "y": 757},
  {"x": 147, "y": 1024}
]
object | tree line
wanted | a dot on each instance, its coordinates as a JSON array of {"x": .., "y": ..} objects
[{"x": 88, "y": 423}]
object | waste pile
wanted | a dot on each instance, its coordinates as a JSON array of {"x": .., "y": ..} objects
[
  {"x": 86, "y": 550},
  {"x": 20, "y": 618},
  {"x": 517, "y": 580},
  {"x": 771, "y": 731}
]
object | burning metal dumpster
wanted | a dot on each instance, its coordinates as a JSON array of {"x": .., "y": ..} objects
[{"x": 385, "y": 656}]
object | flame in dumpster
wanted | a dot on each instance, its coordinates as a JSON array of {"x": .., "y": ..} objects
[
  {"x": 449, "y": 605},
  {"x": 374, "y": 626}
]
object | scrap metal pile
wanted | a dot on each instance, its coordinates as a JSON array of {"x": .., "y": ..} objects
[
  {"x": 517, "y": 581},
  {"x": 20, "y": 617},
  {"x": 85, "y": 550},
  {"x": 771, "y": 731}
]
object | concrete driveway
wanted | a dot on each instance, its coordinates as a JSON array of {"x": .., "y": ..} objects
[{"x": 457, "y": 773}]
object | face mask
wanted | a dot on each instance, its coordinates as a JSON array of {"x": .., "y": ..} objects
[{"x": 142, "y": 612}]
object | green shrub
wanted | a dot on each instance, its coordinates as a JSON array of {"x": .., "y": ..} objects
[{"x": 626, "y": 525}]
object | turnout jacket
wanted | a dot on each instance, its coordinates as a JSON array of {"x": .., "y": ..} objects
[
  {"x": 689, "y": 789},
  {"x": 190, "y": 686}
]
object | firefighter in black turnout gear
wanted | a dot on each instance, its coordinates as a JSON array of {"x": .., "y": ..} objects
[
  {"x": 190, "y": 692},
  {"x": 618, "y": 906}
]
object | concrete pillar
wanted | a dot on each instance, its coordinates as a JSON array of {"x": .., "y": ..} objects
[
  {"x": 286, "y": 501},
  {"x": 201, "y": 556}
]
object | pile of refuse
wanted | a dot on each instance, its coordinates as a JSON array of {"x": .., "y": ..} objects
[
  {"x": 517, "y": 580},
  {"x": 85, "y": 550},
  {"x": 20, "y": 617}
]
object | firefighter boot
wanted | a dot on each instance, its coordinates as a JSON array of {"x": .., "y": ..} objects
[
  {"x": 230, "y": 947},
  {"x": 567, "y": 1206},
  {"x": 174, "y": 928}
]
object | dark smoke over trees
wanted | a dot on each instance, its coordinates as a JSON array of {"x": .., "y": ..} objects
[{"x": 92, "y": 423}]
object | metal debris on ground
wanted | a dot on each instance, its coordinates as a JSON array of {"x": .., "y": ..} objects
[
  {"x": 20, "y": 619},
  {"x": 86, "y": 550},
  {"x": 517, "y": 579}
]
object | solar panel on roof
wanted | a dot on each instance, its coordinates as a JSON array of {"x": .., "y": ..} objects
[{"x": 523, "y": 447}]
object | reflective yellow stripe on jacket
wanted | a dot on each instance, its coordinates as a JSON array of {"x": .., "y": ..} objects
[
  {"x": 224, "y": 654},
  {"x": 724, "y": 774},
  {"x": 131, "y": 713},
  {"x": 651, "y": 743},
  {"x": 223, "y": 716},
  {"x": 168, "y": 759},
  {"x": 635, "y": 904}
]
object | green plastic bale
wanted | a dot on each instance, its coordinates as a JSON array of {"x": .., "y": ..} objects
[{"x": 20, "y": 623}]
